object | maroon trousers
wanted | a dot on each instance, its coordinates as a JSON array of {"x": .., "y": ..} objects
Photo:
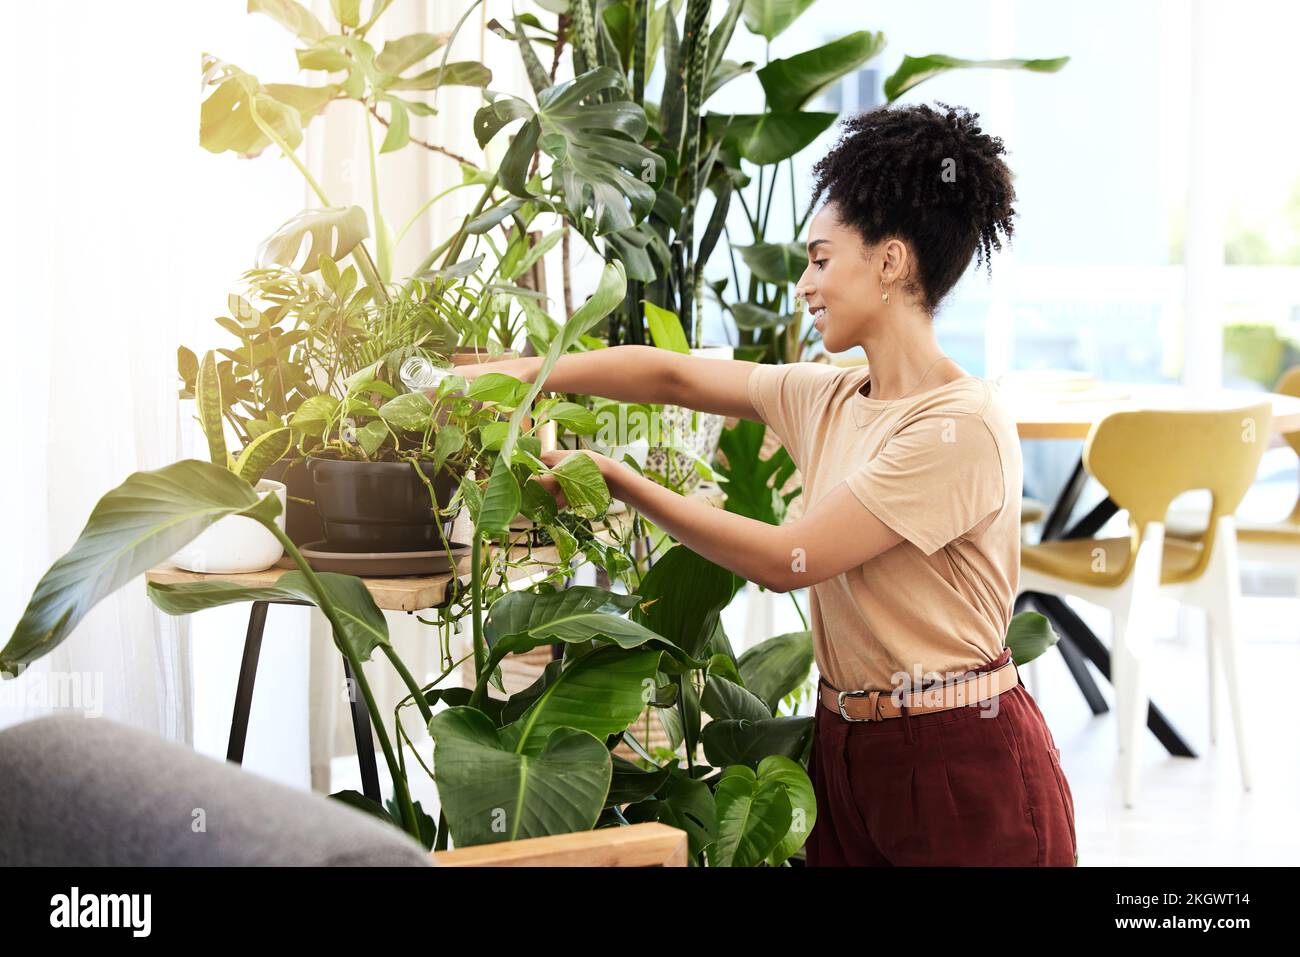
[{"x": 972, "y": 786}]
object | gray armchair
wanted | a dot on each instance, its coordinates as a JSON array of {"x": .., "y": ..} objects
[{"x": 87, "y": 791}]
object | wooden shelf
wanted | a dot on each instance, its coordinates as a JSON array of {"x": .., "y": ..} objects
[{"x": 417, "y": 592}]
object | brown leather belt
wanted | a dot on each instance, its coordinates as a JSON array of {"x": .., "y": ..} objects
[{"x": 878, "y": 705}]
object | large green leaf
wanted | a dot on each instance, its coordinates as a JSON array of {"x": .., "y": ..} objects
[
  {"x": 411, "y": 411},
  {"x": 682, "y": 596},
  {"x": 748, "y": 315},
  {"x": 335, "y": 231},
  {"x": 501, "y": 499},
  {"x": 737, "y": 741},
  {"x": 779, "y": 263},
  {"x": 917, "y": 69},
  {"x": 364, "y": 627},
  {"x": 775, "y": 667},
  {"x": 753, "y": 483},
  {"x": 602, "y": 693},
  {"x": 583, "y": 484},
  {"x": 520, "y": 621},
  {"x": 665, "y": 328},
  {"x": 144, "y": 521},
  {"x": 226, "y": 119},
  {"x": 790, "y": 83},
  {"x": 491, "y": 792},
  {"x": 767, "y": 138},
  {"x": 464, "y": 73},
  {"x": 803, "y": 803},
  {"x": 407, "y": 51},
  {"x": 605, "y": 173},
  {"x": 769, "y": 18},
  {"x": 754, "y": 814},
  {"x": 1029, "y": 635},
  {"x": 724, "y": 699},
  {"x": 687, "y": 805}
]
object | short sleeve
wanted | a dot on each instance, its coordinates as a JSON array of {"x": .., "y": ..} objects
[
  {"x": 787, "y": 398},
  {"x": 936, "y": 479}
]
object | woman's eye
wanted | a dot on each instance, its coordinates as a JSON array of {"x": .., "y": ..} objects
[{"x": 818, "y": 263}]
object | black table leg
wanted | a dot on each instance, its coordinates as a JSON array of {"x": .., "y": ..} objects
[
  {"x": 365, "y": 740},
  {"x": 247, "y": 676},
  {"x": 1072, "y": 628}
]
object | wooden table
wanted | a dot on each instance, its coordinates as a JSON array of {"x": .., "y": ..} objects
[
  {"x": 408, "y": 593},
  {"x": 1067, "y": 407},
  {"x": 1063, "y": 411}
]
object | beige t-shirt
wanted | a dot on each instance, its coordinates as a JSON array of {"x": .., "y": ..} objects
[{"x": 942, "y": 468}]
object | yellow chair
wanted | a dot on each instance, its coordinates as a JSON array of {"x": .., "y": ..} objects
[
  {"x": 1271, "y": 543},
  {"x": 1260, "y": 541},
  {"x": 1144, "y": 460}
]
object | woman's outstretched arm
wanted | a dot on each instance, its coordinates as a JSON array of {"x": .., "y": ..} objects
[
  {"x": 632, "y": 373},
  {"x": 836, "y": 535}
]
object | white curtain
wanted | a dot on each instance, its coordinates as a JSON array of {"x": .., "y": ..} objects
[{"x": 99, "y": 125}]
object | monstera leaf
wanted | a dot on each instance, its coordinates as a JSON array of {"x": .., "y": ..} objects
[
  {"x": 334, "y": 231},
  {"x": 145, "y": 520},
  {"x": 492, "y": 792},
  {"x": 754, "y": 484},
  {"x": 606, "y": 176},
  {"x": 226, "y": 120}
]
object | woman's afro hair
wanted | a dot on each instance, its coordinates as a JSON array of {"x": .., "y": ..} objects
[{"x": 929, "y": 176}]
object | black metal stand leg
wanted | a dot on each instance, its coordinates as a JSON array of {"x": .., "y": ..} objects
[
  {"x": 365, "y": 739},
  {"x": 1050, "y": 607},
  {"x": 247, "y": 676},
  {"x": 1072, "y": 628}
]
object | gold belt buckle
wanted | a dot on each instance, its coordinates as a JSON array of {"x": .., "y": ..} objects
[{"x": 873, "y": 697}]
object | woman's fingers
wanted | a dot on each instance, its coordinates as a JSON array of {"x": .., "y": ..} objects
[{"x": 551, "y": 485}]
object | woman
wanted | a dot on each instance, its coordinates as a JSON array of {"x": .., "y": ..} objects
[{"x": 910, "y": 537}]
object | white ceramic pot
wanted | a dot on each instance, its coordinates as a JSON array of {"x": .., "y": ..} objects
[{"x": 236, "y": 543}]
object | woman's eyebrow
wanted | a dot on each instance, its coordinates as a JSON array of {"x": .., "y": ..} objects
[{"x": 817, "y": 242}]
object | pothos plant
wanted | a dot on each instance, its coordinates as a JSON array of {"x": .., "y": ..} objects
[{"x": 539, "y": 762}]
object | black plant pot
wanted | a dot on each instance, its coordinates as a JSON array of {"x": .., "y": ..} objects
[
  {"x": 380, "y": 506},
  {"x": 301, "y": 520}
]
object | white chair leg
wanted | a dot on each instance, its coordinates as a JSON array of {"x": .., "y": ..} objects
[
  {"x": 1213, "y": 669},
  {"x": 1119, "y": 671},
  {"x": 1226, "y": 625},
  {"x": 1131, "y": 705},
  {"x": 1132, "y": 641}
]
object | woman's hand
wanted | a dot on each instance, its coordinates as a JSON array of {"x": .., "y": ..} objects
[{"x": 609, "y": 469}]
